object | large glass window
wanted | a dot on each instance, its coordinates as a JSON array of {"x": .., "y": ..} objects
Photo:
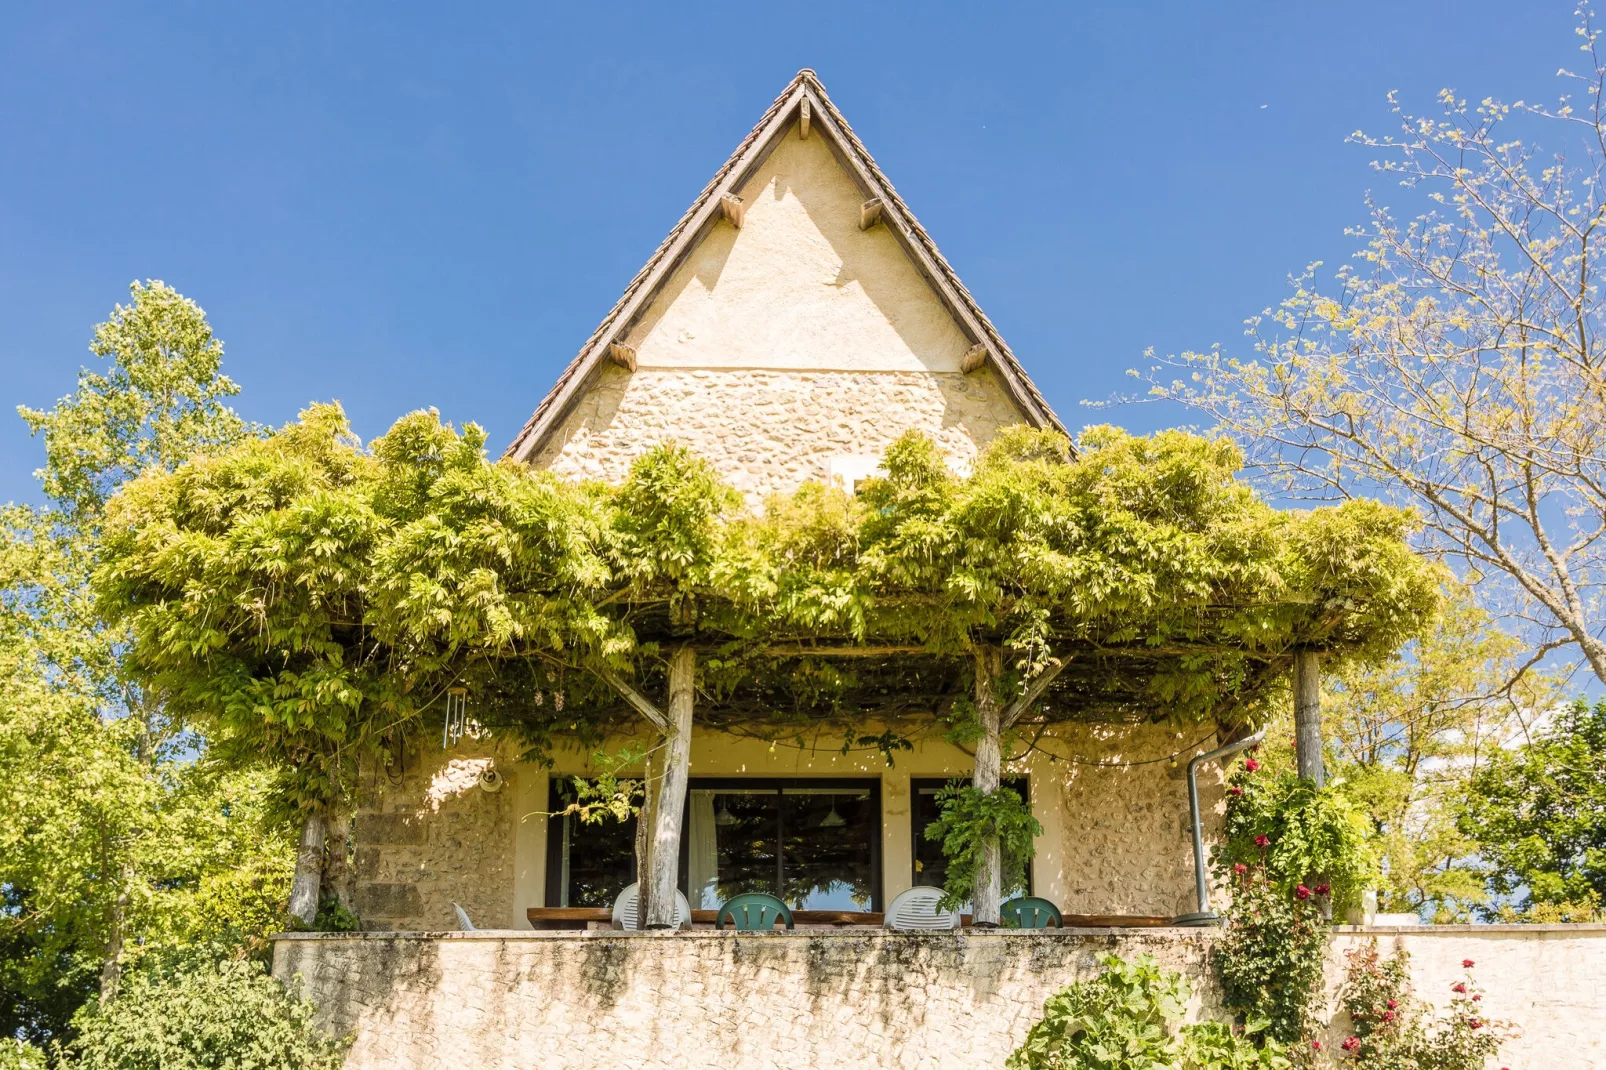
[
  {"x": 930, "y": 866},
  {"x": 814, "y": 843}
]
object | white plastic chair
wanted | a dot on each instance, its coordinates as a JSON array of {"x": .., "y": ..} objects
[
  {"x": 916, "y": 910},
  {"x": 463, "y": 924},
  {"x": 625, "y": 909}
]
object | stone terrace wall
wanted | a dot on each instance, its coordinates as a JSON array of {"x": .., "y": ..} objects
[{"x": 571, "y": 1001}]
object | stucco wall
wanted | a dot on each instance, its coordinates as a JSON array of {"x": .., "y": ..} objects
[
  {"x": 1113, "y": 808},
  {"x": 570, "y": 1001}
]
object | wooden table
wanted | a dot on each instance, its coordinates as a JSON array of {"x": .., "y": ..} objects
[{"x": 583, "y": 917}]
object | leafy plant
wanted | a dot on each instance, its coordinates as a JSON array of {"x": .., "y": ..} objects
[
  {"x": 194, "y": 1012},
  {"x": 1391, "y": 1029},
  {"x": 1300, "y": 834},
  {"x": 1123, "y": 1019},
  {"x": 1538, "y": 813},
  {"x": 967, "y": 819},
  {"x": 1270, "y": 956}
]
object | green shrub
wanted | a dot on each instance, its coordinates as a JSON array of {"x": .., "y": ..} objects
[
  {"x": 20, "y": 1055},
  {"x": 1269, "y": 957},
  {"x": 197, "y": 1013},
  {"x": 1391, "y": 1029},
  {"x": 1122, "y": 1020},
  {"x": 967, "y": 818}
]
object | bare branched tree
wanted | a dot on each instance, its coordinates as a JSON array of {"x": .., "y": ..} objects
[{"x": 1458, "y": 363}]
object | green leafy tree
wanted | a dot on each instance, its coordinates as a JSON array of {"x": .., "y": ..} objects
[
  {"x": 117, "y": 838},
  {"x": 199, "y": 1013},
  {"x": 1538, "y": 813}
]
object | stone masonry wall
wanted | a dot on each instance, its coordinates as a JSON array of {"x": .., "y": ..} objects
[
  {"x": 574, "y": 1001},
  {"x": 429, "y": 837},
  {"x": 768, "y": 431}
]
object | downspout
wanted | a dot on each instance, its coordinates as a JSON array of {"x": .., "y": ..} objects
[{"x": 1204, "y": 915}]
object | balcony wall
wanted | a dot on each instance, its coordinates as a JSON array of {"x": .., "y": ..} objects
[{"x": 496, "y": 1000}]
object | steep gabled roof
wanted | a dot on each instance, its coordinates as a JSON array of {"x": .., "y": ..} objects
[{"x": 804, "y": 96}]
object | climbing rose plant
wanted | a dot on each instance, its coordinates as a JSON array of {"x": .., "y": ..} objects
[{"x": 1391, "y": 1028}]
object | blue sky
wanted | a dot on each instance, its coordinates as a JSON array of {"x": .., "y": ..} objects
[{"x": 403, "y": 205}]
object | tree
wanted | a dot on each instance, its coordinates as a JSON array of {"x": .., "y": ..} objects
[
  {"x": 1459, "y": 365},
  {"x": 1408, "y": 735},
  {"x": 116, "y": 833},
  {"x": 1538, "y": 813}
]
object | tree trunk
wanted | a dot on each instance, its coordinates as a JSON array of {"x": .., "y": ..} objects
[
  {"x": 309, "y": 870},
  {"x": 338, "y": 871},
  {"x": 111, "y": 963},
  {"x": 988, "y": 894},
  {"x": 645, "y": 828},
  {"x": 672, "y": 795},
  {"x": 1308, "y": 716}
]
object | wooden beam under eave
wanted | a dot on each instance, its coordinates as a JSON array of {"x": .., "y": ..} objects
[
  {"x": 975, "y": 357},
  {"x": 869, "y": 213},
  {"x": 732, "y": 208},
  {"x": 805, "y": 113},
  {"x": 622, "y": 355}
]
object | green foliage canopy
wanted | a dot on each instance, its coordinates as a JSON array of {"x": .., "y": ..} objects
[{"x": 311, "y": 599}]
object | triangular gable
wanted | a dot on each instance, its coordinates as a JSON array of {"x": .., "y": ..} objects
[{"x": 803, "y": 101}]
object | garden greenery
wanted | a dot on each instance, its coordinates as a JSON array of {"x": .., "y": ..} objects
[
  {"x": 1291, "y": 852},
  {"x": 1391, "y": 1029},
  {"x": 193, "y": 1013},
  {"x": 1124, "y": 1019},
  {"x": 967, "y": 819},
  {"x": 310, "y": 600}
]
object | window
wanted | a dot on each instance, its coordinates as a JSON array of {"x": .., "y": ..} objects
[
  {"x": 930, "y": 866},
  {"x": 586, "y": 865},
  {"x": 814, "y": 843}
]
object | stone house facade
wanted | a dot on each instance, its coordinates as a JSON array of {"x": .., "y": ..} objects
[{"x": 794, "y": 323}]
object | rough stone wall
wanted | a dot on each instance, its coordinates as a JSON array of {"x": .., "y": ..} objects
[
  {"x": 430, "y": 837},
  {"x": 768, "y": 431},
  {"x": 1125, "y": 840},
  {"x": 572, "y": 1001}
]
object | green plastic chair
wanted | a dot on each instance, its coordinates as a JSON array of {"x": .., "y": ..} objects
[
  {"x": 753, "y": 912},
  {"x": 1030, "y": 912}
]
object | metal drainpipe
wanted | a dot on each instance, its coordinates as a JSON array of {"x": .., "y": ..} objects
[{"x": 1204, "y": 915}]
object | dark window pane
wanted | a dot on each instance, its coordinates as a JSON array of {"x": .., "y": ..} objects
[
  {"x": 739, "y": 856},
  {"x": 828, "y": 852},
  {"x": 588, "y": 865}
]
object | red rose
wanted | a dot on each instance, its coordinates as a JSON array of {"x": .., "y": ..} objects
[
  {"x": 1388, "y": 1016},
  {"x": 1473, "y": 1023},
  {"x": 1315, "y": 1045},
  {"x": 1239, "y": 868},
  {"x": 1323, "y": 889},
  {"x": 1251, "y": 765},
  {"x": 1262, "y": 840},
  {"x": 1351, "y": 1043},
  {"x": 1302, "y": 892},
  {"x": 1235, "y": 791},
  {"x": 1476, "y": 996},
  {"x": 1458, "y": 987},
  {"x": 1392, "y": 1004},
  {"x": 1467, "y": 964}
]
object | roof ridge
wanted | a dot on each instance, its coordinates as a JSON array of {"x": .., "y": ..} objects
[{"x": 806, "y": 83}]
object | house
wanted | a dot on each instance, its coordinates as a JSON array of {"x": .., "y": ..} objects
[{"x": 793, "y": 324}]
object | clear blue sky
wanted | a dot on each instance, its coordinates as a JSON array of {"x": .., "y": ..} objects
[{"x": 406, "y": 205}]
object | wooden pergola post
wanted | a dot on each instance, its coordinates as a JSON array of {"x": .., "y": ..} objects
[
  {"x": 1308, "y": 716},
  {"x": 665, "y": 857},
  {"x": 986, "y": 899}
]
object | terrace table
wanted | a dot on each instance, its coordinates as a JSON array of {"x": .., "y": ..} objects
[{"x": 583, "y": 917}]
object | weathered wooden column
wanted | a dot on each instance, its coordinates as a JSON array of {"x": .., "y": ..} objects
[
  {"x": 308, "y": 881},
  {"x": 665, "y": 856},
  {"x": 645, "y": 827},
  {"x": 1308, "y": 716},
  {"x": 987, "y": 897}
]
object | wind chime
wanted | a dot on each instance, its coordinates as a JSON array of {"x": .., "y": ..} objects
[{"x": 456, "y": 716}]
